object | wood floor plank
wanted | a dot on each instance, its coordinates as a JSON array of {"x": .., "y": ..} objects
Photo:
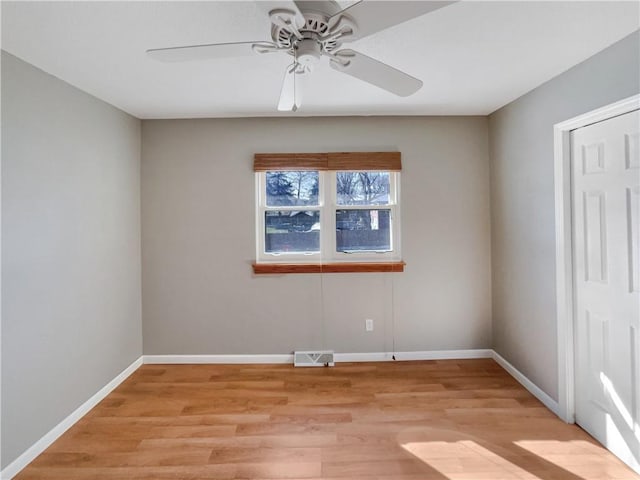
[
  {"x": 304, "y": 440},
  {"x": 311, "y": 418},
  {"x": 422, "y": 420},
  {"x": 159, "y": 444},
  {"x": 265, "y": 455},
  {"x": 204, "y": 472},
  {"x": 184, "y": 420},
  {"x": 275, "y": 470},
  {"x": 388, "y": 468}
]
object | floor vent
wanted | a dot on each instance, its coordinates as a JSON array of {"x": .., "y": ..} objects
[{"x": 315, "y": 358}]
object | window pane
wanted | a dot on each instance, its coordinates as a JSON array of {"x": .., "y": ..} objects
[
  {"x": 291, "y": 231},
  {"x": 362, "y": 188},
  {"x": 363, "y": 230},
  {"x": 292, "y": 188}
]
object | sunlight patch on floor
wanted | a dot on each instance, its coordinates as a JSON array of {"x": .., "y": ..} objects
[
  {"x": 581, "y": 458},
  {"x": 466, "y": 459}
]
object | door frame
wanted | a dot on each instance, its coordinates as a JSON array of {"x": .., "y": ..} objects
[{"x": 564, "y": 245}]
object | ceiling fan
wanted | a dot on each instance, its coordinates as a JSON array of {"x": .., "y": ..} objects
[{"x": 308, "y": 30}]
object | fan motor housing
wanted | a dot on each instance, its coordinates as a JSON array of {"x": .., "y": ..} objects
[
  {"x": 316, "y": 26},
  {"x": 308, "y": 53}
]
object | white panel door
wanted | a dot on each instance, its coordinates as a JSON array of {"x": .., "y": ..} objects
[{"x": 606, "y": 217}]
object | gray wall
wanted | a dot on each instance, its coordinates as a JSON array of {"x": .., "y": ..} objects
[
  {"x": 71, "y": 318},
  {"x": 198, "y": 230},
  {"x": 522, "y": 203}
]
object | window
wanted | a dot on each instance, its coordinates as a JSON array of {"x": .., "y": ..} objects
[
  {"x": 291, "y": 212},
  {"x": 364, "y": 200},
  {"x": 325, "y": 209}
]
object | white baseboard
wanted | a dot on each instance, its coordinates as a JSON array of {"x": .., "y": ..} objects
[
  {"x": 406, "y": 356},
  {"x": 339, "y": 357},
  {"x": 445, "y": 354},
  {"x": 546, "y": 400},
  {"x": 363, "y": 357},
  {"x": 235, "y": 359},
  {"x": 37, "y": 448}
]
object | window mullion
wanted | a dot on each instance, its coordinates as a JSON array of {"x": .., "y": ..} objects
[
  {"x": 327, "y": 220},
  {"x": 289, "y": 208},
  {"x": 379, "y": 206},
  {"x": 260, "y": 221}
]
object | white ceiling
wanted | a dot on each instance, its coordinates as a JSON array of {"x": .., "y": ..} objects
[{"x": 472, "y": 56}]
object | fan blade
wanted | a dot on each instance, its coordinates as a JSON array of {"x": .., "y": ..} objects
[
  {"x": 328, "y": 7},
  {"x": 206, "y": 52},
  {"x": 372, "y": 16},
  {"x": 376, "y": 73},
  {"x": 290, "y": 95}
]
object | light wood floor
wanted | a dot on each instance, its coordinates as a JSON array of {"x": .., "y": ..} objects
[{"x": 440, "y": 420}]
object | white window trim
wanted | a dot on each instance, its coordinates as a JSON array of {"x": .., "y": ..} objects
[{"x": 327, "y": 205}]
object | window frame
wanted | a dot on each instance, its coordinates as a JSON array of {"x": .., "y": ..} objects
[{"x": 328, "y": 258}]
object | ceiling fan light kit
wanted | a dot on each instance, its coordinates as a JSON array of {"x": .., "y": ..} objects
[{"x": 308, "y": 35}]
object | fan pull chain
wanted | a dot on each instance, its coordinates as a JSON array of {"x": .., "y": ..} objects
[{"x": 295, "y": 69}]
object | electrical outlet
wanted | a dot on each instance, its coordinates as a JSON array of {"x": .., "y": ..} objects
[{"x": 368, "y": 325}]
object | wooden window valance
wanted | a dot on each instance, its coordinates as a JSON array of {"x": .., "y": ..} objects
[{"x": 383, "y": 161}]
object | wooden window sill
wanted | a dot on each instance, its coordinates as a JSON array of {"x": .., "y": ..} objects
[{"x": 345, "y": 267}]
